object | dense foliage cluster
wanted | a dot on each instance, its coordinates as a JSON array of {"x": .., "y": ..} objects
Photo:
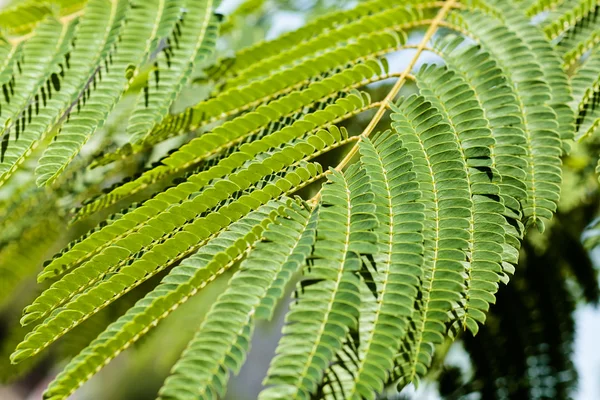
[{"x": 395, "y": 199}]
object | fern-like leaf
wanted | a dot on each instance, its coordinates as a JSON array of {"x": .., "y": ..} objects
[
  {"x": 400, "y": 249},
  {"x": 99, "y": 96},
  {"x": 192, "y": 40},
  {"x": 398, "y": 259},
  {"x": 220, "y": 254},
  {"x": 442, "y": 176},
  {"x": 49, "y": 45},
  {"x": 231, "y": 134},
  {"x": 540, "y": 126},
  {"x": 586, "y": 91},
  {"x": 329, "y": 290},
  {"x": 203, "y": 369}
]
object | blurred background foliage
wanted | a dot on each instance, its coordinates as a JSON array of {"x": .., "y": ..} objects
[{"x": 525, "y": 350}]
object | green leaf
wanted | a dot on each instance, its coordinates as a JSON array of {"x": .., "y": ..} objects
[
  {"x": 543, "y": 142},
  {"x": 38, "y": 81},
  {"x": 204, "y": 367},
  {"x": 192, "y": 40},
  {"x": 185, "y": 280},
  {"x": 99, "y": 95},
  {"x": 398, "y": 261},
  {"x": 178, "y": 234},
  {"x": 232, "y": 134},
  {"x": 328, "y": 303}
]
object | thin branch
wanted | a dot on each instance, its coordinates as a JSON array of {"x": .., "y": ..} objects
[{"x": 385, "y": 103}]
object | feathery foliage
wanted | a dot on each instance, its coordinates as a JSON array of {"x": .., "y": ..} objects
[{"x": 396, "y": 213}]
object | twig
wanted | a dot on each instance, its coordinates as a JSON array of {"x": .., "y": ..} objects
[{"x": 385, "y": 103}]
